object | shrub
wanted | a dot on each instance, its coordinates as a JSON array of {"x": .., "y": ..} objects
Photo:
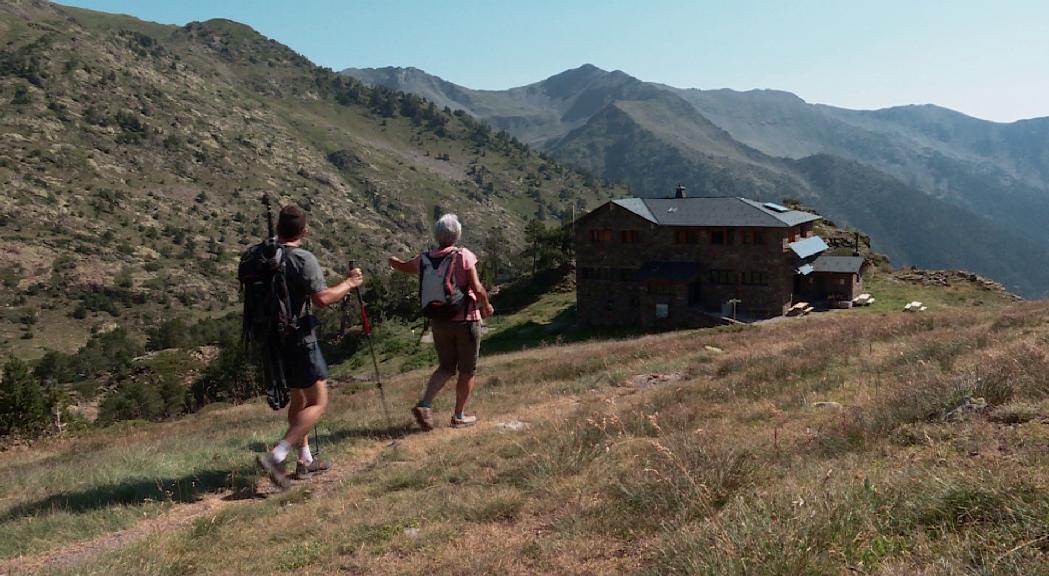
[
  {"x": 155, "y": 389},
  {"x": 171, "y": 334},
  {"x": 25, "y": 406},
  {"x": 232, "y": 377}
]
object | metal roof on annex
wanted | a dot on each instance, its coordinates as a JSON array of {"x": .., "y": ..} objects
[
  {"x": 721, "y": 211},
  {"x": 838, "y": 264}
]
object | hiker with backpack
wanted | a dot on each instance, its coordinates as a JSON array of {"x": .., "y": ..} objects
[
  {"x": 283, "y": 282},
  {"x": 452, "y": 297}
]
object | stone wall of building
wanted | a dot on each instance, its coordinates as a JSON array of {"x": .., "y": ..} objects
[
  {"x": 612, "y": 243},
  {"x": 820, "y": 286}
]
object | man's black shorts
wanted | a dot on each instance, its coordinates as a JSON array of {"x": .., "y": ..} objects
[{"x": 304, "y": 364}]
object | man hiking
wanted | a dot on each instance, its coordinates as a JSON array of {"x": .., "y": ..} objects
[
  {"x": 304, "y": 367},
  {"x": 453, "y": 298}
]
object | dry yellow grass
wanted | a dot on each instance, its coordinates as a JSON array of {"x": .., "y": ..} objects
[{"x": 820, "y": 445}]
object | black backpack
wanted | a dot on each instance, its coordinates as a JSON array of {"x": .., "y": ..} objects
[{"x": 269, "y": 322}]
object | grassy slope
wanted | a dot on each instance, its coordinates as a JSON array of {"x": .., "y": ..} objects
[
  {"x": 227, "y": 114},
  {"x": 730, "y": 467}
]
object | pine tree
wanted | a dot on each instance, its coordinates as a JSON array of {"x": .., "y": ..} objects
[{"x": 24, "y": 406}]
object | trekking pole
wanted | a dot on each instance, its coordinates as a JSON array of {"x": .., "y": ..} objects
[
  {"x": 366, "y": 327},
  {"x": 422, "y": 333}
]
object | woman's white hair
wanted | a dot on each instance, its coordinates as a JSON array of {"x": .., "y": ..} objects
[{"x": 447, "y": 230}]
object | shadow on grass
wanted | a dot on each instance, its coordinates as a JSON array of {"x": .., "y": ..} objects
[
  {"x": 325, "y": 436},
  {"x": 562, "y": 328},
  {"x": 383, "y": 433},
  {"x": 524, "y": 293},
  {"x": 188, "y": 488}
]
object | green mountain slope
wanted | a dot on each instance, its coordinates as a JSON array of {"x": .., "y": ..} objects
[
  {"x": 132, "y": 157},
  {"x": 922, "y": 230}
]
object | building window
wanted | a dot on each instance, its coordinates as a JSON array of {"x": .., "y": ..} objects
[
  {"x": 841, "y": 281},
  {"x": 754, "y": 237},
  {"x": 662, "y": 310},
  {"x": 629, "y": 237},
  {"x": 666, "y": 290},
  {"x": 686, "y": 237},
  {"x": 597, "y": 236},
  {"x": 722, "y": 236},
  {"x": 607, "y": 274},
  {"x": 755, "y": 278},
  {"x": 722, "y": 277}
]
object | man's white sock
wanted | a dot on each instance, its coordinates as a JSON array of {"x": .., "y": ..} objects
[
  {"x": 280, "y": 451},
  {"x": 305, "y": 456}
]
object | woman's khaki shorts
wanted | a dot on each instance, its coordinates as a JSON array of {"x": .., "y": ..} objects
[{"x": 458, "y": 345}]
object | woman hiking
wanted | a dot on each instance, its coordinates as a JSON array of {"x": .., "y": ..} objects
[{"x": 455, "y": 312}]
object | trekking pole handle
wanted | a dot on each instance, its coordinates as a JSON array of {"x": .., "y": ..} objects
[
  {"x": 366, "y": 324},
  {"x": 352, "y": 264}
]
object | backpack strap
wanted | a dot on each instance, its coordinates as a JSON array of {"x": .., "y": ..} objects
[
  {"x": 449, "y": 278},
  {"x": 306, "y": 307}
]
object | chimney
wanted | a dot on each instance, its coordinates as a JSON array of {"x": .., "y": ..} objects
[
  {"x": 680, "y": 192},
  {"x": 856, "y": 244}
]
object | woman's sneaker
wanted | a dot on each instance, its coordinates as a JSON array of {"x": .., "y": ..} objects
[
  {"x": 465, "y": 422},
  {"x": 424, "y": 416},
  {"x": 304, "y": 471}
]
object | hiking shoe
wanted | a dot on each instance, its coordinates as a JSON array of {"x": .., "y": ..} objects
[
  {"x": 424, "y": 416},
  {"x": 273, "y": 469},
  {"x": 304, "y": 471},
  {"x": 465, "y": 422}
]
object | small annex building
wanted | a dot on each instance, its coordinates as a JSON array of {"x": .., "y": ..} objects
[
  {"x": 690, "y": 261},
  {"x": 835, "y": 279}
]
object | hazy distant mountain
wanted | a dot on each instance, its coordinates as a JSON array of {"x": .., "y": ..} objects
[
  {"x": 999, "y": 170},
  {"x": 941, "y": 173}
]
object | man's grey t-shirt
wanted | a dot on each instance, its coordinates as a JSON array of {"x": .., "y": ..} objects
[{"x": 305, "y": 277}]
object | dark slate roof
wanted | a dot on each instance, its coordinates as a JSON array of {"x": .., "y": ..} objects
[
  {"x": 669, "y": 271},
  {"x": 808, "y": 247},
  {"x": 725, "y": 211},
  {"x": 839, "y": 264}
]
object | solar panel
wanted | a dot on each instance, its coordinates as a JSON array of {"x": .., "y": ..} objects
[
  {"x": 776, "y": 207},
  {"x": 808, "y": 247}
]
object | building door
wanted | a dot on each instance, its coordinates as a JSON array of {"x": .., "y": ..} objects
[{"x": 695, "y": 294}]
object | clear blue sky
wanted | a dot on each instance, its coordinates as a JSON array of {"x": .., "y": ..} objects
[{"x": 985, "y": 58}]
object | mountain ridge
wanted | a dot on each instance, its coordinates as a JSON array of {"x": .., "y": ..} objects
[{"x": 987, "y": 170}]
